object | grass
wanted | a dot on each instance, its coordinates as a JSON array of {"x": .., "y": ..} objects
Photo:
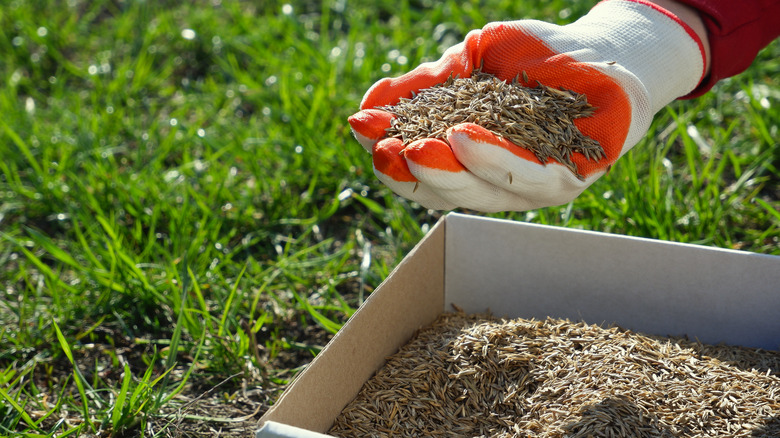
[{"x": 185, "y": 218}]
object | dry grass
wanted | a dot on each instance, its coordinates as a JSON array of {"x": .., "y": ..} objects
[
  {"x": 479, "y": 376},
  {"x": 540, "y": 119}
]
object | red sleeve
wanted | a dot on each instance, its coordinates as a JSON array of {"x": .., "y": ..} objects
[{"x": 737, "y": 30}]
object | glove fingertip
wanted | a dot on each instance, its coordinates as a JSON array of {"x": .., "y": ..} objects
[
  {"x": 473, "y": 132},
  {"x": 433, "y": 153},
  {"x": 463, "y": 135},
  {"x": 369, "y": 126},
  {"x": 389, "y": 161},
  {"x": 380, "y": 94},
  {"x": 371, "y": 123}
]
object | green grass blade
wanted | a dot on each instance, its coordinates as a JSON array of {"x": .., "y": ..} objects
[
  {"x": 229, "y": 303},
  {"x": 51, "y": 248},
  {"x": 325, "y": 322},
  {"x": 119, "y": 405},
  {"x": 173, "y": 349},
  {"x": 43, "y": 267},
  {"x": 185, "y": 378},
  {"x": 19, "y": 409},
  {"x": 78, "y": 378},
  {"x": 17, "y": 140}
]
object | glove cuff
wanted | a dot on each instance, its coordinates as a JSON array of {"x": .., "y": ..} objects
[{"x": 664, "y": 53}]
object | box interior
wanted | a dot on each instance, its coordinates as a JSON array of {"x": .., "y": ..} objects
[
  {"x": 662, "y": 288},
  {"x": 534, "y": 271}
]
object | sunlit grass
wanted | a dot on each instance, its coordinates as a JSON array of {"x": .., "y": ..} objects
[{"x": 182, "y": 202}]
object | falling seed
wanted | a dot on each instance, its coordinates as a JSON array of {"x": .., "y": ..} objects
[
  {"x": 510, "y": 177},
  {"x": 539, "y": 119},
  {"x": 416, "y": 186}
]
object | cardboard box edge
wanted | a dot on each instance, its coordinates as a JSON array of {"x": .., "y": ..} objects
[
  {"x": 427, "y": 255},
  {"x": 272, "y": 429}
]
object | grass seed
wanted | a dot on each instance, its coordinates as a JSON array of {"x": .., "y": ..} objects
[
  {"x": 539, "y": 118},
  {"x": 476, "y": 375}
]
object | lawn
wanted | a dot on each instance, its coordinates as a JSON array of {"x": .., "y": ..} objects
[{"x": 185, "y": 218}]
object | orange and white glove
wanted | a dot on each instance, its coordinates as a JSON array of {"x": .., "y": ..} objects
[{"x": 629, "y": 58}]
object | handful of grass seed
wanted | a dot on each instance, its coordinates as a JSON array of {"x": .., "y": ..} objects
[
  {"x": 539, "y": 119},
  {"x": 474, "y": 375}
]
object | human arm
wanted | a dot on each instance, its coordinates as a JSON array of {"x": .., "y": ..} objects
[{"x": 736, "y": 31}]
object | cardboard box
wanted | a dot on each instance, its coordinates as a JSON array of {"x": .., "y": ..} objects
[{"x": 523, "y": 270}]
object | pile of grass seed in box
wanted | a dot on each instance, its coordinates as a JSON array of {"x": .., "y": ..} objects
[
  {"x": 540, "y": 118},
  {"x": 475, "y": 375}
]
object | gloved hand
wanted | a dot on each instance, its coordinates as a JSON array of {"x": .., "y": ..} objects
[{"x": 629, "y": 58}]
